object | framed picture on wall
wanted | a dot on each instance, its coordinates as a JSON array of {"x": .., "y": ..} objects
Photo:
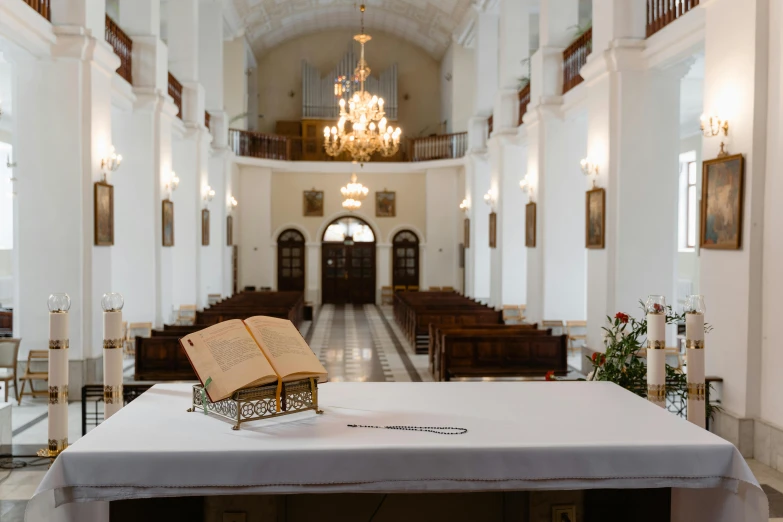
[
  {"x": 493, "y": 229},
  {"x": 467, "y": 232},
  {"x": 104, "y": 214},
  {"x": 721, "y": 202},
  {"x": 168, "y": 223},
  {"x": 229, "y": 230},
  {"x": 595, "y": 219},
  {"x": 385, "y": 204},
  {"x": 205, "y": 227},
  {"x": 530, "y": 225},
  {"x": 313, "y": 203}
]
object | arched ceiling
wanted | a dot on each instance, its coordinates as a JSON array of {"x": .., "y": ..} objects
[{"x": 426, "y": 23}]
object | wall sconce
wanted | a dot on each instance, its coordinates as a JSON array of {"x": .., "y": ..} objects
[
  {"x": 173, "y": 183},
  {"x": 712, "y": 126},
  {"x": 209, "y": 193},
  {"x": 490, "y": 199},
  {"x": 525, "y": 185},
  {"x": 111, "y": 162},
  {"x": 589, "y": 168},
  {"x": 232, "y": 203},
  {"x": 464, "y": 206},
  {"x": 8, "y": 162}
]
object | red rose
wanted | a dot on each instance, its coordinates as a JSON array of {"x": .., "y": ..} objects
[
  {"x": 658, "y": 308},
  {"x": 599, "y": 358},
  {"x": 622, "y": 317},
  {"x": 550, "y": 375}
]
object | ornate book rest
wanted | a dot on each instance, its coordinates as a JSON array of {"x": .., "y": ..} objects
[{"x": 257, "y": 403}]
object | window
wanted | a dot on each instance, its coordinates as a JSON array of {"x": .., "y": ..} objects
[{"x": 688, "y": 202}]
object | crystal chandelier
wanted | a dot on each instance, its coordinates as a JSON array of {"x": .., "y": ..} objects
[
  {"x": 354, "y": 192},
  {"x": 369, "y": 130}
]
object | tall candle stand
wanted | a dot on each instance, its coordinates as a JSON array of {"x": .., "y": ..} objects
[
  {"x": 59, "y": 304},
  {"x": 694, "y": 357},
  {"x": 112, "y": 353},
  {"x": 656, "y": 349}
]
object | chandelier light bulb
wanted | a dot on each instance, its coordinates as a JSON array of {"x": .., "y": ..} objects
[{"x": 342, "y": 103}]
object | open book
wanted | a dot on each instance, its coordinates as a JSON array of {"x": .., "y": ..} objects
[{"x": 239, "y": 354}]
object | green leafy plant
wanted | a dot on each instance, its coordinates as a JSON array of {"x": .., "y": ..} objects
[
  {"x": 624, "y": 337},
  {"x": 580, "y": 29},
  {"x": 523, "y": 81}
]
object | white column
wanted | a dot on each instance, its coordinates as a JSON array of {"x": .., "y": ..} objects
[
  {"x": 63, "y": 118},
  {"x": 183, "y": 39},
  {"x": 477, "y": 255},
  {"x": 443, "y": 229},
  {"x": 636, "y": 148},
  {"x": 486, "y": 78},
  {"x": 514, "y": 48},
  {"x": 733, "y": 284}
]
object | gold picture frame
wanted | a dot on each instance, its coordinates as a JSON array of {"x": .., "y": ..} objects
[
  {"x": 722, "y": 194},
  {"x": 168, "y": 222},
  {"x": 313, "y": 203},
  {"x": 564, "y": 513},
  {"x": 466, "y": 232},
  {"x": 385, "y": 204},
  {"x": 103, "y": 195},
  {"x": 493, "y": 230},
  {"x": 530, "y": 225},
  {"x": 229, "y": 231},
  {"x": 205, "y": 227},
  {"x": 595, "y": 218}
]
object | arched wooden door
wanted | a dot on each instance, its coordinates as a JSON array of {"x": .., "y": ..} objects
[
  {"x": 291, "y": 261},
  {"x": 348, "y": 262},
  {"x": 405, "y": 259}
]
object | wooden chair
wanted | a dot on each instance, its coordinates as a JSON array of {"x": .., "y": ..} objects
[
  {"x": 212, "y": 299},
  {"x": 34, "y": 357},
  {"x": 554, "y": 325},
  {"x": 447, "y": 289},
  {"x": 136, "y": 330},
  {"x": 570, "y": 325},
  {"x": 434, "y": 289},
  {"x": 387, "y": 295},
  {"x": 413, "y": 288},
  {"x": 399, "y": 288},
  {"x": 512, "y": 314},
  {"x": 9, "y": 351},
  {"x": 186, "y": 315}
]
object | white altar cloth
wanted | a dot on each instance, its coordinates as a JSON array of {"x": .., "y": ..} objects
[{"x": 521, "y": 436}]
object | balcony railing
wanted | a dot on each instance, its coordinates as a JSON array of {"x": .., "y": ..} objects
[
  {"x": 574, "y": 57},
  {"x": 206, "y": 121},
  {"x": 41, "y": 7},
  {"x": 122, "y": 45},
  {"x": 442, "y": 146},
  {"x": 524, "y": 101},
  {"x": 175, "y": 91},
  {"x": 295, "y": 148},
  {"x": 661, "y": 13}
]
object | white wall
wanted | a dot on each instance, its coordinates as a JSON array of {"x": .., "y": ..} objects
[
  {"x": 443, "y": 229},
  {"x": 254, "y": 218}
]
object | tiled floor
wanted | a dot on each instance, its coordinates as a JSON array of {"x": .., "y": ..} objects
[{"x": 355, "y": 343}]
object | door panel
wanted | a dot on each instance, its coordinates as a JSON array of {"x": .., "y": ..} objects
[{"x": 348, "y": 273}]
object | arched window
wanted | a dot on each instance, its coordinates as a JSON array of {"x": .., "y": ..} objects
[
  {"x": 290, "y": 261},
  {"x": 405, "y": 259}
]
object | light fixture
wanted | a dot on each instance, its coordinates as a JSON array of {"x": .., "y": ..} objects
[
  {"x": 209, "y": 193},
  {"x": 526, "y": 186},
  {"x": 354, "y": 192},
  {"x": 713, "y": 126},
  {"x": 464, "y": 206},
  {"x": 490, "y": 198},
  {"x": 369, "y": 130},
  {"x": 232, "y": 203},
  {"x": 173, "y": 183},
  {"x": 589, "y": 168},
  {"x": 8, "y": 162},
  {"x": 111, "y": 162}
]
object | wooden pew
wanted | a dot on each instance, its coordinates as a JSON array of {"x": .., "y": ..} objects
[
  {"x": 489, "y": 354},
  {"x": 162, "y": 359},
  {"x": 437, "y": 331}
]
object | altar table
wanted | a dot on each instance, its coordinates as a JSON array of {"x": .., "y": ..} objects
[{"x": 521, "y": 436}]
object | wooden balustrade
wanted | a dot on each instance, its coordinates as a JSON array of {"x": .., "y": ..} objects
[
  {"x": 524, "y": 101},
  {"x": 443, "y": 146},
  {"x": 175, "y": 91},
  {"x": 258, "y": 145},
  {"x": 574, "y": 57},
  {"x": 661, "y": 13},
  {"x": 123, "y": 47},
  {"x": 206, "y": 121},
  {"x": 41, "y": 7}
]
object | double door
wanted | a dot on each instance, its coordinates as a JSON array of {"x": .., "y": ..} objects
[{"x": 348, "y": 273}]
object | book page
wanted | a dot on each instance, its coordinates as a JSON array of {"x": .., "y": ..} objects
[
  {"x": 285, "y": 348},
  {"x": 227, "y": 353}
]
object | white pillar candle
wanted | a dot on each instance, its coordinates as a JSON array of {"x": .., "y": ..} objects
[
  {"x": 694, "y": 353},
  {"x": 59, "y": 304},
  {"x": 656, "y": 358},
  {"x": 112, "y": 353}
]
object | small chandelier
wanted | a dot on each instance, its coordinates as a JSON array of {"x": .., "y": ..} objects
[
  {"x": 354, "y": 192},
  {"x": 369, "y": 130}
]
